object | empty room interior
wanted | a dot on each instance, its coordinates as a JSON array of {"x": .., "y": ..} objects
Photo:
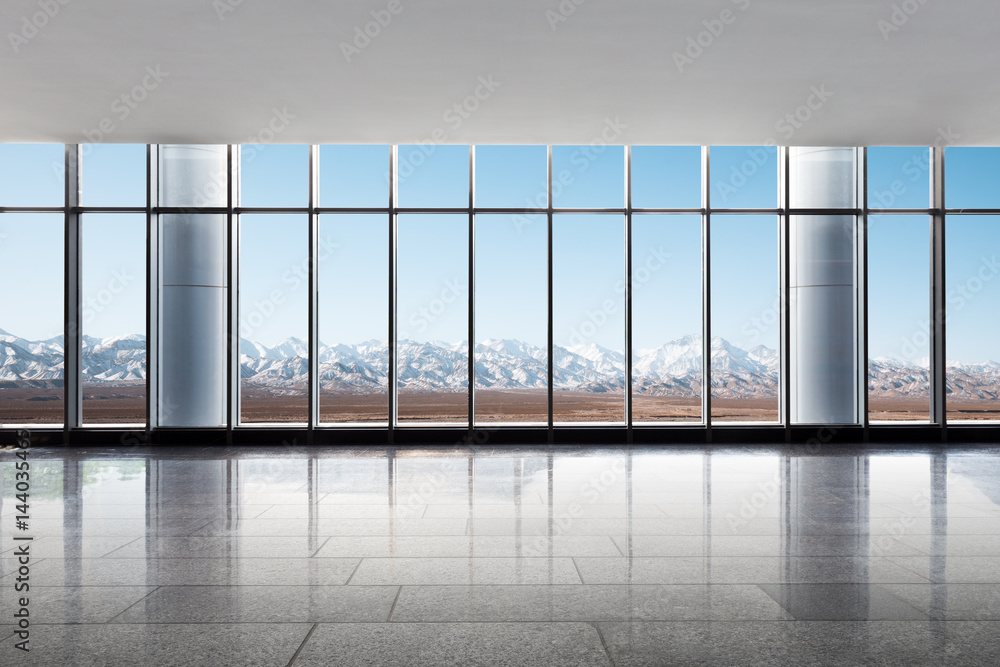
[{"x": 570, "y": 332}]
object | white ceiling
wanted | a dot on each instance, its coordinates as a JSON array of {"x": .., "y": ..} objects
[{"x": 230, "y": 63}]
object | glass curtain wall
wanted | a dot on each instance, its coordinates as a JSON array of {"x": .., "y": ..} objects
[
  {"x": 898, "y": 282},
  {"x": 973, "y": 286},
  {"x": 32, "y": 177},
  {"x": 353, "y": 275},
  {"x": 113, "y": 284},
  {"x": 542, "y": 267}
]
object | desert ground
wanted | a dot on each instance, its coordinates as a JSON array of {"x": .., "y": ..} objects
[
  {"x": 104, "y": 404},
  {"x": 899, "y": 409}
]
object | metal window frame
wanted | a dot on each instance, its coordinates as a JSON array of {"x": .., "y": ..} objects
[
  {"x": 938, "y": 294},
  {"x": 471, "y": 308},
  {"x": 861, "y": 290},
  {"x": 313, "y": 300},
  {"x": 391, "y": 344},
  {"x": 629, "y": 276},
  {"x": 785, "y": 288},
  {"x": 72, "y": 211},
  {"x": 706, "y": 291},
  {"x": 72, "y": 304},
  {"x": 152, "y": 292}
]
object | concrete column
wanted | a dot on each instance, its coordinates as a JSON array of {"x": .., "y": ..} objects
[
  {"x": 192, "y": 287},
  {"x": 822, "y": 290}
]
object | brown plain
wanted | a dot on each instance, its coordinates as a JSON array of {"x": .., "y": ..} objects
[{"x": 105, "y": 404}]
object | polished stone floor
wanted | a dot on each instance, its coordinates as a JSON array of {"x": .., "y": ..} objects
[{"x": 504, "y": 556}]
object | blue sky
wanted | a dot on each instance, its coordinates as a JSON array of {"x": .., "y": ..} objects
[{"x": 510, "y": 249}]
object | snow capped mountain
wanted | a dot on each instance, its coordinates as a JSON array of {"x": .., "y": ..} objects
[
  {"x": 114, "y": 360},
  {"x": 26, "y": 360},
  {"x": 673, "y": 368}
]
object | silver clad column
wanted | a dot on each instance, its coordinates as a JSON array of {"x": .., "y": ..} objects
[
  {"x": 192, "y": 273},
  {"x": 822, "y": 289}
]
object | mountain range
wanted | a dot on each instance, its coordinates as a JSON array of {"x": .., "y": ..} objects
[{"x": 671, "y": 369}]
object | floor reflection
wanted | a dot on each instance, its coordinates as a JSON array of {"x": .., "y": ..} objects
[{"x": 629, "y": 540}]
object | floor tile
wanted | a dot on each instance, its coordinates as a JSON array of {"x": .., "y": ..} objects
[
  {"x": 709, "y": 556},
  {"x": 467, "y": 571},
  {"x": 68, "y": 547},
  {"x": 84, "y": 604},
  {"x": 453, "y": 546},
  {"x": 455, "y": 644},
  {"x": 328, "y": 527},
  {"x": 263, "y": 604},
  {"x": 220, "y": 547},
  {"x": 750, "y": 546},
  {"x": 953, "y": 569},
  {"x": 804, "y": 644},
  {"x": 139, "y": 527},
  {"x": 952, "y": 602},
  {"x": 841, "y": 602},
  {"x": 180, "y": 645},
  {"x": 582, "y": 603},
  {"x": 195, "y": 571},
  {"x": 729, "y": 570},
  {"x": 953, "y": 545}
]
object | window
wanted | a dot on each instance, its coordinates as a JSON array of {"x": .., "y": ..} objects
[
  {"x": 746, "y": 318},
  {"x": 432, "y": 311},
  {"x": 32, "y": 175},
  {"x": 898, "y": 318},
  {"x": 113, "y": 175},
  {"x": 354, "y": 176},
  {"x": 899, "y": 177},
  {"x": 666, "y": 318},
  {"x": 31, "y": 318},
  {"x": 588, "y": 269},
  {"x": 511, "y": 355},
  {"x": 588, "y": 176},
  {"x": 432, "y": 176},
  {"x": 406, "y": 281},
  {"x": 274, "y": 176},
  {"x": 354, "y": 318},
  {"x": 973, "y": 299},
  {"x": 274, "y": 354},
  {"x": 113, "y": 299},
  {"x": 666, "y": 177},
  {"x": 744, "y": 176}
]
